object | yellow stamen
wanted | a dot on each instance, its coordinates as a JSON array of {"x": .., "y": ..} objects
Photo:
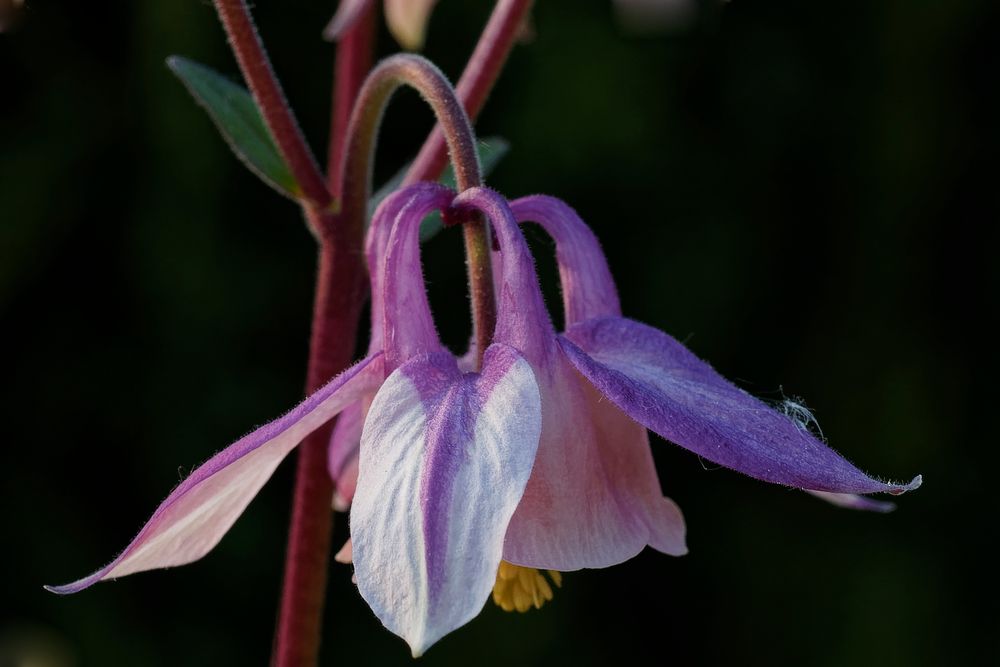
[{"x": 522, "y": 588}]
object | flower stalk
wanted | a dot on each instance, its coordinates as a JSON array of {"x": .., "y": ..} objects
[
  {"x": 355, "y": 52},
  {"x": 476, "y": 82},
  {"x": 270, "y": 98}
]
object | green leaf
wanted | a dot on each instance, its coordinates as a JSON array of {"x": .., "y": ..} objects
[
  {"x": 234, "y": 112},
  {"x": 491, "y": 150}
]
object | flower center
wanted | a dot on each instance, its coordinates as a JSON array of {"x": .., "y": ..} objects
[{"x": 522, "y": 588}]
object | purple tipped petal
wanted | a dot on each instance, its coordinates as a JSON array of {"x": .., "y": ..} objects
[
  {"x": 445, "y": 457},
  {"x": 348, "y": 12},
  {"x": 201, "y": 509},
  {"x": 853, "y": 501},
  {"x": 587, "y": 286},
  {"x": 662, "y": 385}
]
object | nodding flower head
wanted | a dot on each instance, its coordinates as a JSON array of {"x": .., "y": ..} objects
[{"x": 470, "y": 483}]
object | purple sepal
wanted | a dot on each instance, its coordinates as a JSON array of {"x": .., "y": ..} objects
[{"x": 662, "y": 385}]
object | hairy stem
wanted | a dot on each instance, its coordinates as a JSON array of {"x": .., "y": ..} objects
[
  {"x": 385, "y": 79},
  {"x": 476, "y": 81},
  {"x": 354, "y": 60},
  {"x": 340, "y": 291},
  {"x": 341, "y": 285},
  {"x": 270, "y": 98}
]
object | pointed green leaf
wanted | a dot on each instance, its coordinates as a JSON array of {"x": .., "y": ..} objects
[
  {"x": 491, "y": 150},
  {"x": 234, "y": 112}
]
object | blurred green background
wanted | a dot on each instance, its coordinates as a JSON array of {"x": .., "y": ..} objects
[{"x": 806, "y": 193}]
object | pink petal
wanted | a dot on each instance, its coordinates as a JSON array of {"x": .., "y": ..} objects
[
  {"x": 195, "y": 516},
  {"x": 346, "y": 553},
  {"x": 594, "y": 499},
  {"x": 407, "y": 21},
  {"x": 444, "y": 460}
]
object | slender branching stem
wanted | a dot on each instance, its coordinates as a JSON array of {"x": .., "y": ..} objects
[
  {"x": 270, "y": 98},
  {"x": 341, "y": 286},
  {"x": 355, "y": 50}
]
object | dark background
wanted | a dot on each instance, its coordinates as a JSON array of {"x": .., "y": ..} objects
[{"x": 806, "y": 193}]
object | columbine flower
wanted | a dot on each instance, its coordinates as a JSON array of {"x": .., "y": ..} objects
[
  {"x": 407, "y": 20},
  {"x": 470, "y": 482}
]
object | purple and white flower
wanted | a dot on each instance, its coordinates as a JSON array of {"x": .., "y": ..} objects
[{"x": 539, "y": 459}]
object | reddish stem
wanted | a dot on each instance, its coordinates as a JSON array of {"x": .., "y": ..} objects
[
  {"x": 266, "y": 90},
  {"x": 355, "y": 51},
  {"x": 476, "y": 82},
  {"x": 340, "y": 293}
]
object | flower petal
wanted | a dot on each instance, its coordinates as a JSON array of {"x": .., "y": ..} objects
[
  {"x": 444, "y": 460},
  {"x": 587, "y": 286},
  {"x": 662, "y": 385},
  {"x": 342, "y": 454},
  {"x": 594, "y": 499},
  {"x": 407, "y": 21},
  {"x": 853, "y": 501},
  {"x": 347, "y": 14},
  {"x": 195, "y": 516}
]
